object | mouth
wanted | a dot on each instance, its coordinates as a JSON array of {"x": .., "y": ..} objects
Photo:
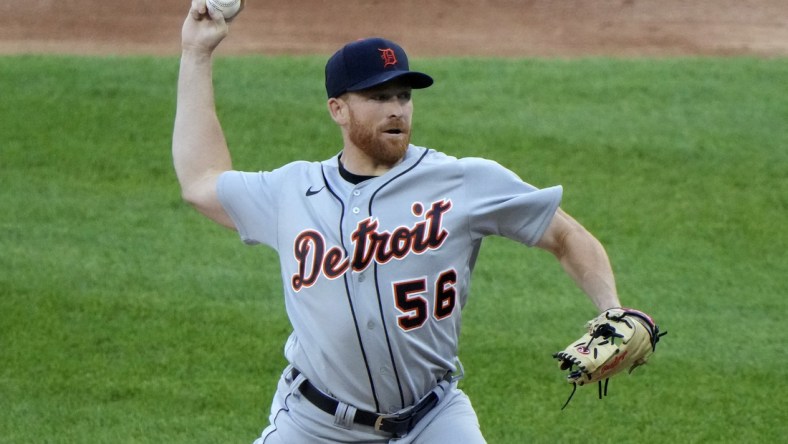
[
  {"x": 395, "y": 128},
  {"x": 395, "y": 131}
]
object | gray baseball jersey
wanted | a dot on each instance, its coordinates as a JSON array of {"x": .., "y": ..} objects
[{"x": 375, "y": 274}]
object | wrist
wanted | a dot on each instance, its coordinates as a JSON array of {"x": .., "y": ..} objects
[
  {"x": 196, "y": 53},
  {"x": 608, "y": 304}
]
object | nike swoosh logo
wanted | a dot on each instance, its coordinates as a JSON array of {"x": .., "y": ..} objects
[{"x": 311, "y": 192}]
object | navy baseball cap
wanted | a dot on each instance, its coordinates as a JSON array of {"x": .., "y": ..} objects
[{"x": 370, "y": 62}]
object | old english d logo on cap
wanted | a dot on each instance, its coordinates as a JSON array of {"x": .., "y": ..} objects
[
  {"x": 357, "y": 66},
  {"x": 389, "y": 57}
]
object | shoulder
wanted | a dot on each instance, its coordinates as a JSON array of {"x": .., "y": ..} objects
[
  {"x": 299, "y": 166},
  {"x": 273, "y": 179},
  {"x": 468, "y": 165},
  {"x": 296, "y": 167}
]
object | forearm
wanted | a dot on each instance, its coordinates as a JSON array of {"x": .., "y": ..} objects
[
  {"x": 585, "y": 260},
  {"x": 199, "y": 148}
]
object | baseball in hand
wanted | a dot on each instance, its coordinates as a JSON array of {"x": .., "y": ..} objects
[{"x": 228, "y": 8}]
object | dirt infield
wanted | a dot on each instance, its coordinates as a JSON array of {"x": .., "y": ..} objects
[{"x": 551, "y": 28}]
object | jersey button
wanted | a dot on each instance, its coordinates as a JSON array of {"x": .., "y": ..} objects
[
  {"x": 356, "y": 210},
  {"x": 371, "y": 325},
  {"x": 357, "y": 193}
]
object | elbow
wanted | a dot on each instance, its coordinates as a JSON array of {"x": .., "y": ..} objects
[
  {"x": 195, "y": 195},
  {"x": 575, "y": 238},
  {"x": 199, "y": 191},
  {"x": 190, "y": 196},
  {"x": 202, "y": 195}
]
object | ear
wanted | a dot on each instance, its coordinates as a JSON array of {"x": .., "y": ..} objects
[{"x": 338, "y": 109}]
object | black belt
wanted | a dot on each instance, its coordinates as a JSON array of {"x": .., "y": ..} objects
[{"x": 396, "y": 424}]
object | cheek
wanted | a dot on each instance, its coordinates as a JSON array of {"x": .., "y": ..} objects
[
  {"x": 408, "y": 113},
  {"x": 361, "y": 116}
]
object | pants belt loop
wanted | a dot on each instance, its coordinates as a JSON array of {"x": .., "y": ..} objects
[{"x": 345, "y": 415}]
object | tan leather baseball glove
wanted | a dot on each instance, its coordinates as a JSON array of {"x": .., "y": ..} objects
[{"x": 616, "y": 340}]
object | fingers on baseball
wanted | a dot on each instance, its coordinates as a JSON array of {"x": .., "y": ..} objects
[
  {"x": 218, "y": 18},
  {"x": 199, "y": 9}
]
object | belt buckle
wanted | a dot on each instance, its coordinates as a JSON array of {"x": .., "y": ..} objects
[
  {"x": 394, "y": 421},
  {"x": 400, "y": 424},
  {"x": 379, "y": 422}
]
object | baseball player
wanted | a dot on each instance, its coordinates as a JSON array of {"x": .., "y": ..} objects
[{"x": 376, "y": 245}]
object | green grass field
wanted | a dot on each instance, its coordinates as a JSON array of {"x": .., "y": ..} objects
[{"x": 125, "y": 317}]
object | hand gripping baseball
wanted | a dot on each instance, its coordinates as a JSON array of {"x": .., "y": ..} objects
[
  {"x": 618, "y": 339},
  {"x": 203, "y": 29}
]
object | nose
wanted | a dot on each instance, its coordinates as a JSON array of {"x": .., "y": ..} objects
[{"x": 396, "y": 107}]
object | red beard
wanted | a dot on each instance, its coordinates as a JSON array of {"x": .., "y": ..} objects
[{"x": 375, "y": 144}]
